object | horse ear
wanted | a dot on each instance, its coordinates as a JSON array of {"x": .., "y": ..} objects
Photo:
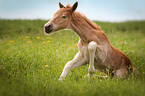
[
  {"x": 73, "y": 8},
  {"x": 60, "y": 5}
]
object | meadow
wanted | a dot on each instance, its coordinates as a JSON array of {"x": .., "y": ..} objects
[{"x": 31, "y": 62}]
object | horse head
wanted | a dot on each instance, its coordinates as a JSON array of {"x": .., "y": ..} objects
[{"x": 61, "y": 18}]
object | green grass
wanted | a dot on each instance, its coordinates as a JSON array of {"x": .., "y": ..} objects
[{"x": 31, "y": 62}]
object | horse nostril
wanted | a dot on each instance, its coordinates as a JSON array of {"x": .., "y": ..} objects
[{"x": 49, "y": 26}]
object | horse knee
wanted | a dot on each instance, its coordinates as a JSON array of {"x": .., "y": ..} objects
[{"x": 92, "y": 46}]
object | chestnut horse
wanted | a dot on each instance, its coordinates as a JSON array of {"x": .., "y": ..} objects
[{"x": 94, "y": 46}]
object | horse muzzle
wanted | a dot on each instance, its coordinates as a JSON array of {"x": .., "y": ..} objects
[{"x": 48, "y": 29}]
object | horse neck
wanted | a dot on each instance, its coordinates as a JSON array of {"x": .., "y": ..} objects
[{"x": 83, "y": 27}]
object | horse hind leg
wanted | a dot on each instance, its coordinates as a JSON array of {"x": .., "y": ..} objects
[{"x": 98, "y": 76}]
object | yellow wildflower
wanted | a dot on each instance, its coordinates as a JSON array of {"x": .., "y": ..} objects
[
  {"x": 46, "y": 65},
  {"x": 48, "y": 41},
  {"x": 11, "y": 41},
  {"x": 27, "y": 37},
  {"x": 43, "y": 50},
  {"x": 71, "y": 47},
  {"x": 43, "y": 41},
  {"x": 76, "y": 44},
  {"x": 38, "y": 37},
  {"x": 64, "y": 45},
  {"x": 30, "y": 42}
]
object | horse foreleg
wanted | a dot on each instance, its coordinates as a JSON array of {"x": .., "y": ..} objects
[
  {"x": 77, "y": 61},
  {"x": 92, "y": 49}
]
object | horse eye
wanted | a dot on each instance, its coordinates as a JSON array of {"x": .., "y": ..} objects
[{"x": 64, "y": 17}]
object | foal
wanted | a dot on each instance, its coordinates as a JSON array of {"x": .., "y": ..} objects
[{"x": 94, "y": 46}]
